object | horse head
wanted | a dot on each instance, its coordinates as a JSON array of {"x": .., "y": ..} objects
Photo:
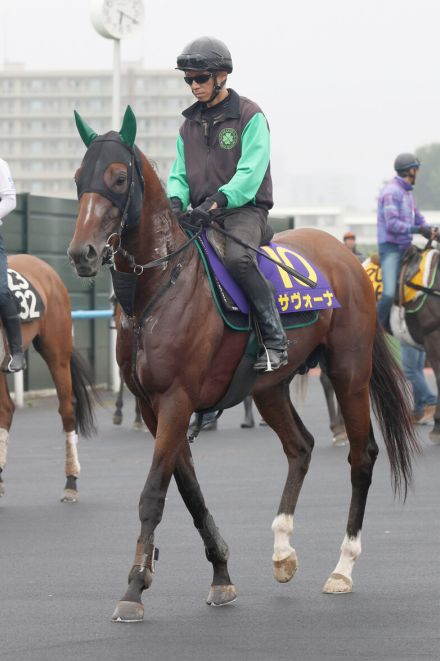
[{"x": 110, "y": 190}]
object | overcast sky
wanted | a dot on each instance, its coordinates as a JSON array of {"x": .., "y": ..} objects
[{"x": 345, "y": 84}]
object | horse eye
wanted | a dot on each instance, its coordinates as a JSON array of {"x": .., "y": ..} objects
[{"x": 122, "y": 178}]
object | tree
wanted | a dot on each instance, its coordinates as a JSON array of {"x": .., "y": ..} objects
[{"x": 427, "y": 190}]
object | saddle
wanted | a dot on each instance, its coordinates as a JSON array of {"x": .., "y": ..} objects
[{"x": 298, "y": 303}]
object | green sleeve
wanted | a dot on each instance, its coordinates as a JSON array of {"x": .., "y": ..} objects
[
  {"x": 177, "y": 184},
  {"x": 253, "y": 163}
]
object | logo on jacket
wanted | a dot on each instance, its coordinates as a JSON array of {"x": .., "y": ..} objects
[{"x": 228, "y": 138}]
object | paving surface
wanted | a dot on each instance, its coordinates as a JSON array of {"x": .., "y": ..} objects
[{"x": 63, "y": 567}]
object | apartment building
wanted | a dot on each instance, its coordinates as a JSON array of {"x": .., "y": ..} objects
[{"x": 37, "y": 130}]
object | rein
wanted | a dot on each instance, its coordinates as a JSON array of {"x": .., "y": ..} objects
[{"x": 427, "y": 290}]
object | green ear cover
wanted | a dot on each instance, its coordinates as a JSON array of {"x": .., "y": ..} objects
[
  {"x": 87, "y": 134},
  {"x": 128, "y": 128}
]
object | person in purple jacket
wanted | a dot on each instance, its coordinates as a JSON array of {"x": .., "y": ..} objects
[{"x": 397, "y": 219}]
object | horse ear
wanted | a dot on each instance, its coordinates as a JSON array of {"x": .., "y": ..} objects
[
  {"x": 87, "y": 134},
  {"x": 128, "y": 128}
]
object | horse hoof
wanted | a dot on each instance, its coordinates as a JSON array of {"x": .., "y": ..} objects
[
  {"x": 434, "y": 437},
  {"x": 247, "y": 425},
  {"x": 117, "y": 419},
  {"x": 138, "y": 426},
  {"x": 221, "y": 595},
  {"x": 285, "y": 570},
  {"x": 70, "y": 496},
  {"x": 128, "y": 611},
  {"x": 2, "y": 489},
  {"x": 338, "y": 584},
  {"x": 339, "y": 440}
]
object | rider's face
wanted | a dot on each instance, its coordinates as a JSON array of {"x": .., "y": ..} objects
[
  {"x": 204, "y": 90},
  {"x": 201, "y": 90}
]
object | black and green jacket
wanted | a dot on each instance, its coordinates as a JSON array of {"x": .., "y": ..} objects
[{"x": 223, "y": 151}]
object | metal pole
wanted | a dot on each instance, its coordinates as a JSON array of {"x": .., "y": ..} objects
[{"x": 114, "y": 378}]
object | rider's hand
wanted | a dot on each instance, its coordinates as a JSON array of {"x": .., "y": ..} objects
[
  {"x": 428, "y": 232},
  {"x": 200, "y": 215}
]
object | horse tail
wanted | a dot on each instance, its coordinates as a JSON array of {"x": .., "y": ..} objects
[
  {"x": 389, "y": 393},
  {"x": 84, "y": 393}
]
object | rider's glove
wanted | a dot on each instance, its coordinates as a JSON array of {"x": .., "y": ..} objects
[
  {"x": 200, "y": 215},
  {"x": 426, "y": 231}
]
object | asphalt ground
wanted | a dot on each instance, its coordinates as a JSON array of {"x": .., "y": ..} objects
[{"x": 63, "y": 567}]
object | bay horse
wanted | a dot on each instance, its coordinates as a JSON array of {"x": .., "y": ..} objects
[
  {"x": 177, "y": 356},
  {"x": 50, "y": 331}
]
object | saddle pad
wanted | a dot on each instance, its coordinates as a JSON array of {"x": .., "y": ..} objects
[
  {"x": 374, "y": 272},
  {"x": 291, "y": 295},
  {"x": 29, "y": 303},
  {"x": 424, "y": 276},
  {"x": 232, "y": 315}
]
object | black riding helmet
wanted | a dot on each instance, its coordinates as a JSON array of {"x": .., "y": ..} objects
[
  {"x": 205, "y": 54},
  {"x": 405, "y": 162}
]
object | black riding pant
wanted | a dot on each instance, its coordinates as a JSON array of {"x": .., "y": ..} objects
[{"x": 249, "y": 224}]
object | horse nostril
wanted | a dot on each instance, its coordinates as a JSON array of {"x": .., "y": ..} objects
[{"x": 91, "y": 254}]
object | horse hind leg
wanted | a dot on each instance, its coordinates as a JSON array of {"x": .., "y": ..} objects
[
  {"x": 362, "y": 456},
  {"x": 59, "y": 364},
  {"x": 277, "y": 410}
]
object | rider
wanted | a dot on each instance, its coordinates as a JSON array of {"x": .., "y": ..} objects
[
  {"x": 349, "y": 240},
  {"x": 8, "y": 308},
  {"x": 223, "y": 166},
  {"x": 397, "y": 219}
]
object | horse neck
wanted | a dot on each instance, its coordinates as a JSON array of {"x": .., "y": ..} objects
[{"x": 158, "y": 232}]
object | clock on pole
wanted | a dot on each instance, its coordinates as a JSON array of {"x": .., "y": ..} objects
[{"x": 117, "y": 19}]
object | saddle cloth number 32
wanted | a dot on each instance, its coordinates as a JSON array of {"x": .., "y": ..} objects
[{"x": 25, "y": 296}]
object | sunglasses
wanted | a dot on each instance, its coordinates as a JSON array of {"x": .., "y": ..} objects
[{"x": 200, "y": 80}]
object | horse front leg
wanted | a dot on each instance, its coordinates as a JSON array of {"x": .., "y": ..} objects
[
  {"x": 362, "y": 456},
  {"x": 119, "y": 403},
  {"x": 222, "y": 591},
  {"x": 6, "y": 412},
  {"x": 172, "y": 423},
  {"x": 431, "y": 343},
  {"x": 337, "y": 426}
]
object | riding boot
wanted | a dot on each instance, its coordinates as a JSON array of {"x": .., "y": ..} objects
[
  {"x": 260, "y": 294},
  {"x": 12, "y": 325}
]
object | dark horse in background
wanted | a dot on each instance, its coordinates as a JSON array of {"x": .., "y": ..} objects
[
  {"x": 177, "y": 357},
  {"x": 422, "y": 318},
  {"x": 50, "y": 331}
]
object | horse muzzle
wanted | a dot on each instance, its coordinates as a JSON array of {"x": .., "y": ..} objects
[{"x": 85, "y": 259}]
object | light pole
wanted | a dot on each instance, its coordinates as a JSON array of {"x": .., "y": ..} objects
[{"x": 116, "y": 19}]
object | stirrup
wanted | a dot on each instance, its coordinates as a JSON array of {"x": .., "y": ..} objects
[{"x": 269, "y": 366}]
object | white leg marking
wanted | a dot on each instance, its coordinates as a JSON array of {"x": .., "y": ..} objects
[
  {"x": 350, "y": 552},
  {"x": 4, "y": 435},
  {"x": 282, "y": 527},
  {"x": 72, "y": 465}
]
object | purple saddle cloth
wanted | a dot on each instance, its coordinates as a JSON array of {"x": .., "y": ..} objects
[{"x": 291, "y": 294}]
